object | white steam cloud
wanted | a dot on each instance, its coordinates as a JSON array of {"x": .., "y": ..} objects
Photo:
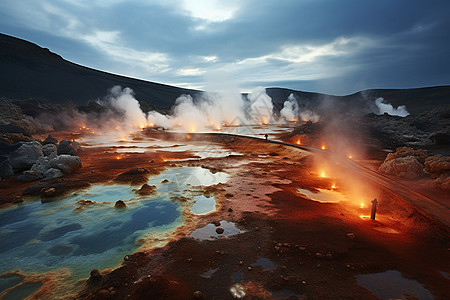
[
  {"x": 389, "y": 109},
  {"x": 261, "y": 106},
  {"x": 290, "y": 109}
]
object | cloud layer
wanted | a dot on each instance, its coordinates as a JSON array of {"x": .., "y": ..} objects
[{"x": 336, "y": 47}]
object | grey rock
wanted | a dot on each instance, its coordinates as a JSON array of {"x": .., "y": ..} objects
[
  {"x": 26, "y": 155},
  {"x": 42, "y": 164},
  {"x": 50, "y": 140},
  {"x": 6, "y": 169},
  {"x": 68, "y": 147},
  {"x": 66, "y": 163},
  {"x": 49, "y": 150},
  {"x": 30, "y": 175},
  {"x": 52, "y": 173}
]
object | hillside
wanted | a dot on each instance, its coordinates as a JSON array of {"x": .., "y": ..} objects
[{"x": 29, "y": 71}]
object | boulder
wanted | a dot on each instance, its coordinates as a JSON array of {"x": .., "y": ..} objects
[
  {"x": 6, "y": 169},
  {"x": 66, "y": 163},
  {"x": 120, "y": 204},
  {"x": 407, "y": 167},
  {"x": 26, "y": 155},
  {"x": 437, "y": 164},
  {"x": 30, "y": 175},
  {"x": 52, "y": 173},
  {"x": 50, "y": 140},
  {"x": 42, "y": 164},
  {"x": 49, "y": 150},
  {"x": 68, "y": 147},
  {"x": 134, "y": 176},
  {"x": 146, "y": 190},
  {"x": 419, "y": 154}
]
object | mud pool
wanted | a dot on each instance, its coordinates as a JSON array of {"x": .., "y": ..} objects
[{"x": 47, "y": 236}]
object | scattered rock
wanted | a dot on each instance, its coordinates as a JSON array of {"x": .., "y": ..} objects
[
  {"x": 230, "y": 209},
  {"x": 249, "y": 268},
  {"x": 228, "y": 195},
  {"x": 165, "y": 181},
  {"x": 319, "y": 255},
  {"x": 198, "y": 295},
  {"x": 68, "y": 147},
  {"x": 6, "y": 169},
  {"x": 146, "y": 189},
  {"x": 216, "y": 223},
  {"x": 48, "y": 192},
  {"x": 26, "y": 155},
  {"x": 66, "y": 163},
  {"x": 96, "y": 276},
  {"x": 52, "y": 173},
  {"x": 134, "y": 176},
  {"x": 30, "y": 175},
  {"x": 120, "y": 204},
  {"x": 351, "y": 235},
  {"x": 407, "y": 167},
  {"x": 49, "y": 150},
  {"x": 50, "y": 140},
  {"x": 220, "y": 230}
]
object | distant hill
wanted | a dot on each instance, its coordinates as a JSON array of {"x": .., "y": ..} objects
[{"x": 29, "y": 71}]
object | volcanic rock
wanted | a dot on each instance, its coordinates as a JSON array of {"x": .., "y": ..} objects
[
  {"x": 66, "y": 163},
  {"x": 52, "y": 173},
  {"x": 50, "y": 140},
  {"x": 134, "y": 176},
  {"x": 146, "y": 190},
  {"x": 68, "y": 147},
  {"x": 95, "y": 276},
  {"x": 120, "y": 204},
  {"x": 30, "y": 175},
  {"x": 5, "y": 167},
  {"x": 220, "y": 230},
  {"x": 49, "y": 150},
  {"x": 407, "y": 167},
  {"x": 419, "y": 154},
  {"x": 438, "y": 166},
  {"x": 26, "y": 155}
]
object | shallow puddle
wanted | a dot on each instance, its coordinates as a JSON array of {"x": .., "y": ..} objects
[
  {"x": 209, "y": 273},
  {"x": 265, "y": 263},
  {"x": 392, "y": 285},
  {"x": 324, "y": 196},
  {"x": 203, "y": 205},
  {"x": 209, "y": 231}
]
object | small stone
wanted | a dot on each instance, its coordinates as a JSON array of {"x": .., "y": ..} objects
[
  {"x": 228, "y": 195},
  {"x": 249, "y": 268},
  {"x": 220, "y": 230},
  {"x": 96, "y": 276},
  {"x": 241, "y": 262},
  {"x": 319, "y": 255},
  {"x": 351, "y": 235},
  {"x": 198, "y": 295},
  {"x": 189, "y": 259},
  {"x": 303, "y": 282},
  {"x": 216, "y": 223},
  {"x": 230, "y": 209},
  {"x": 18, "y": 199},
  {"x": 48, "y": 192},
  {"x": 126, "y": 258},
  {"x": 120, "y": 204},
  {"x": 165, "y": 181},
  {"x": 302, "y": 248}
]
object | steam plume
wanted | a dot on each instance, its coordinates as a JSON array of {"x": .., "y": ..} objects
[
  {"x": 290, "y": 109},
  {"x": 389, "y": 109}
]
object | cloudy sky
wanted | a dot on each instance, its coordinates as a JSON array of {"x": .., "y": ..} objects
[{"x": 330, "y": 46}]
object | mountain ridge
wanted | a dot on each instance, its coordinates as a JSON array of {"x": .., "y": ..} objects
[{"x": 33, "y": 72}]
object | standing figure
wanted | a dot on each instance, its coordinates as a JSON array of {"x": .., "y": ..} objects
[
  {"x": 267, "y": 136},
  {"x": 374, "y": 208}
]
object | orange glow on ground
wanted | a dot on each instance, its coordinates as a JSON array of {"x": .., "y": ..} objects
[
  {"x": 188, "y": 136},
  {"x": 333, "y": 186},
  {"x": 350, "y": 156},
  {"x": 362, "y": 205},
  {"x": 323, "y": 148},
  {"x": 298, "y": 142},
  {"x": 118, "y": 157},
  {"x": 322, "y": 174}
]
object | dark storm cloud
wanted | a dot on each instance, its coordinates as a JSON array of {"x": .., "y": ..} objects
[{"x": 336, "y": 47}]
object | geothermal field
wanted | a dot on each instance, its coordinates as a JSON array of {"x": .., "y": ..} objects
[{"x": 223, "y": 197}]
